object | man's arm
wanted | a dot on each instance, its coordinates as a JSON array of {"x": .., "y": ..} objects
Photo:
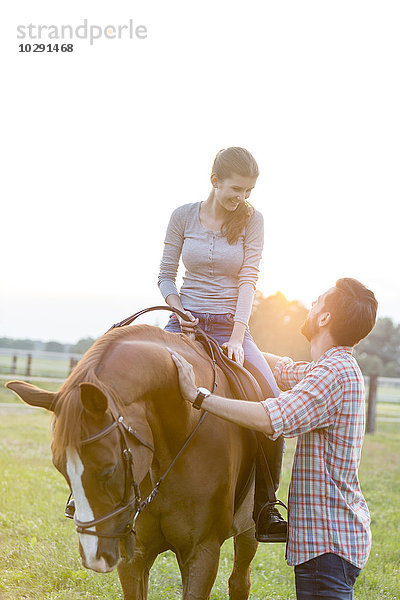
[
  {"x": 241, "y": 412},
  {"x": 287, "y": 372},
  {"x": 271, "y": 359}
]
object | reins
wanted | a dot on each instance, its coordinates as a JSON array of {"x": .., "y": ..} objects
[
  {"x": 130, "y": 320},
  {"x": 118, "y": 423}
]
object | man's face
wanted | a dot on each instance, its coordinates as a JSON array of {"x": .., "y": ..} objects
[{"x": 311, "y": 326}]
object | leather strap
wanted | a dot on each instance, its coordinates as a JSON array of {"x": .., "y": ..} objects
[
  {"x": 132, "y": 318},
  {"x": 264, "y": 466},
  {"x": 199, "y": 399}
]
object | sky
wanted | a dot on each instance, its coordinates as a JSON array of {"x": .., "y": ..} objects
[{"x": 99, "y": 145}]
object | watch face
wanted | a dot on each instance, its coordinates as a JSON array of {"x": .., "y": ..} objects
[{"x": 203, "y": 390}]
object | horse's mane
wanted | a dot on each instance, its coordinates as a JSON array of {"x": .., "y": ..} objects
[{"x": 68, "y": 409}]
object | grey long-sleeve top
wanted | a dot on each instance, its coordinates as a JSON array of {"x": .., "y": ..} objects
[{"x": 220, "y": 277}]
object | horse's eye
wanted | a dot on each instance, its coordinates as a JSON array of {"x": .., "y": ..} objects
[{"x": 106, "y": 473}]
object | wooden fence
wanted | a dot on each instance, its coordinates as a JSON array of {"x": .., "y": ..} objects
[
  {"x": 56, "y": 366},
  {"x": 27, "y": 363},
  {"x": 385, "y": 390}
]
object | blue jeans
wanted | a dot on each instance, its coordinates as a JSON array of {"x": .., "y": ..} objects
[
  {"x": 325, "y": 577},
  {"x": 220, "y": 328}
]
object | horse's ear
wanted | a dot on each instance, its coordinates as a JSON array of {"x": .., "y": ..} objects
[
  {"x": 93, "y": 399},
  {"x": 33, "y": 395}
]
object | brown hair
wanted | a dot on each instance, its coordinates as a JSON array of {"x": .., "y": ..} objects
[
  {"x": 239, "y": 161},
  {"x": 353, "y": 310}
]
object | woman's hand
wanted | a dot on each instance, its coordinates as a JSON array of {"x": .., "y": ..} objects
[
  {"x": 234, "y": 345},
  {"x": 235, "y": 351},
  {"x": 188, "y": 326}
]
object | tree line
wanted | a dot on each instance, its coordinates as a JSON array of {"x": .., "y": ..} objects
[
  {"x": 52, "y": 346},
  {"x": 275, "y": 325}
]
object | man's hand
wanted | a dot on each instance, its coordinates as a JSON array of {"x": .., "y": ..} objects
[
  {"x": 187, "y": 382},
  {"x": 241, "y": 412}
]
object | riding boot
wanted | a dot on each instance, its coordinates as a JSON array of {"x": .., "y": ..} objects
[{"x": 270, "y": 525}]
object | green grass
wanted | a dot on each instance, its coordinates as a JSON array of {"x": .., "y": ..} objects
[{"x": 39, "y": 559}]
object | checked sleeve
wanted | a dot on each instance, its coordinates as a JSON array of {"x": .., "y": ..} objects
[
  {"x": 289, "y": 373},
  {"x": 311, "y": 404}
]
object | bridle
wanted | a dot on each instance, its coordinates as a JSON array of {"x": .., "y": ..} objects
[
  {"x": 135, "y": 504},
  {"x": 128, "y": 504}
]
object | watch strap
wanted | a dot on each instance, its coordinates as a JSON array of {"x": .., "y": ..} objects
[{"x": 198, "y": 401}]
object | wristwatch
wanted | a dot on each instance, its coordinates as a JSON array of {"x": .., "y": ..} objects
[{"x": 202, "y": 393}]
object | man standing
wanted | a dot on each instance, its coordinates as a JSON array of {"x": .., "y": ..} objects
[{"x": 323, "y": 404}]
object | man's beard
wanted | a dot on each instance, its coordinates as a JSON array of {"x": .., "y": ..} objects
[{"x": 310, "y": 327}]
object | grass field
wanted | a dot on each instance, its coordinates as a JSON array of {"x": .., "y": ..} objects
[{"x": 39, "y": 559}]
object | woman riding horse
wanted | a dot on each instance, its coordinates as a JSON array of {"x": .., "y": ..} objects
[{"x": 220, "y": 241}]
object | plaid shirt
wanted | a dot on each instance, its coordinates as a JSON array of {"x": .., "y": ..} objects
[{"x": 325, "y": 408}]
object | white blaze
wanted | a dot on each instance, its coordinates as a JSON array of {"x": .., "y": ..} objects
[{"x": 83, "y": 512}]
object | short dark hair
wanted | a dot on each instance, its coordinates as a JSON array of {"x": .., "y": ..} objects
[{"x": 353, "y": 311}]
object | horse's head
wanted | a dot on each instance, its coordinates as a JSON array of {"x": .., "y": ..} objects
[{"x": 103, "y": 460}]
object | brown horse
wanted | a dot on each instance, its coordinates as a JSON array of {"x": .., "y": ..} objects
[{"x": 119, "y": 422}]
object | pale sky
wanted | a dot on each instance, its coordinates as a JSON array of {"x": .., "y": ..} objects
[{"x": 101, "y": 144}]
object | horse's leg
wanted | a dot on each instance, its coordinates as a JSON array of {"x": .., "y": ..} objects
[
  {"x": 199, "y": 570},
  {"x": 245, "y": 545},
  {"x": 134, "y": 575}
]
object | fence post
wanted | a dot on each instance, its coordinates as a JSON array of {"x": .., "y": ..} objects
[
  {"x": 371, "y": 414},
  {"x": 14, "y": 364},
  {"x": 72, "y": 363},
  {"x": 28, "y": 365}
]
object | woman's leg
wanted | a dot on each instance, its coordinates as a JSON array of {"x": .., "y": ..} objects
[
  {"x": 255, "y": 357},
  {"x": 270, "y": 527},
  {"x": 220, "y": 328}
]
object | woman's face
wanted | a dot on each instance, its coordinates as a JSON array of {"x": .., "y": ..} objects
[{"x": 230, "y": 192}]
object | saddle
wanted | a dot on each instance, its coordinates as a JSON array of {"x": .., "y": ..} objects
[{"x": 247, "y": 383}]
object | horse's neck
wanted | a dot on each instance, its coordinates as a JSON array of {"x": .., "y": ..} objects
[
  {"x": 171, "y": 420},
  {"x": 150, "y": 387},
  {"x": 148, "y": 383}
]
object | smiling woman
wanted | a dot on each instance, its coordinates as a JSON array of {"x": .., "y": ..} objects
[{"x": 221, "y": 241}]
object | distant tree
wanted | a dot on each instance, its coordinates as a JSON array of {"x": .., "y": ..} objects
[
  {"x": 82, "y": 345},
  {"x": 54, "y": 347},
  {"x": 391, "y": 369},
  {"x": 275, "y": 326},
  {"x": 379, "y": 353},
  {"x": 370, "y": 364},
  {"x": 383, "y": 341},
  {"x": 17, "y": 344}
]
